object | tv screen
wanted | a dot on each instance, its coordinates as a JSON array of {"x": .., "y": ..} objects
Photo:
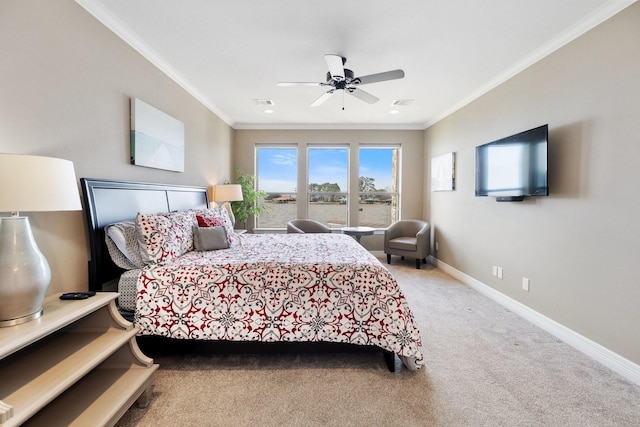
[{"x": 514, "y": 167}]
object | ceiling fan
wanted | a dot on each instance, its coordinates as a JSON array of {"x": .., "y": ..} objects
[{"x": 340, "y": 78}]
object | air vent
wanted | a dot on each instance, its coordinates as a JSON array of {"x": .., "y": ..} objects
[
  {"x": 401, "y": 102},
  {"x": 263, "y": 102}
]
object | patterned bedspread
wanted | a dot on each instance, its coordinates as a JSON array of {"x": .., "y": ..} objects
[{"x": 279, "y": 287}]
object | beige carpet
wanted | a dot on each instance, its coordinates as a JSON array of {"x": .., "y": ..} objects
[{"x": 485, "y": 366}]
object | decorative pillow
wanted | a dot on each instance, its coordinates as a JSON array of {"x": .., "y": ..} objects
[
  {"x": 210, "y": 238},
  {"x": 117, "y": 256},
  {"x": 123, "y": 236},
  {"x": 164, "y": 237},
  {"x": 216, "y": 217}
]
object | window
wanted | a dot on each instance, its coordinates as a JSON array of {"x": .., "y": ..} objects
[
  {"x": 328, "y": 178},
  {"x": 277, "y": 175},
  {"x": 378, "y": 179},
  {"x": 320, "y": 177}
]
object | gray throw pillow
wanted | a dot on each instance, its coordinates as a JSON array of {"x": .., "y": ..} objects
[{"x": 210, "y": 238}]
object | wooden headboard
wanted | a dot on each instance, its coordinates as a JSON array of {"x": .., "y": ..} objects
[{"x": 109, "y": 201}]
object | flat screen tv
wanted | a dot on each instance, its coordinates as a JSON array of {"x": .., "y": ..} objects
[{"x": 514, "y": 167}]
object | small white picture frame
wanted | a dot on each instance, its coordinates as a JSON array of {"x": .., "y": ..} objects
[{"x": 443, "y": 172}]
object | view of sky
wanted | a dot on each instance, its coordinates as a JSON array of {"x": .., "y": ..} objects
[
  {"x": 277, "y": 167},
  {"x": 329, "y": 165},
  {"x": 278, "y": 170},
  {"x": 377, "y": 163}
]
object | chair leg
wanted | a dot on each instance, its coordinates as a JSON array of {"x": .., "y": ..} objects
[
  {"x": 388, "y": 258},
  {"x": 418, "y": 261}
]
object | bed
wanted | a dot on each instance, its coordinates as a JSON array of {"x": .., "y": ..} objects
[{"x": 323, "y": 291}]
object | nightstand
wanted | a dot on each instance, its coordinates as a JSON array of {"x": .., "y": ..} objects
[{"x": 77, "y": 364}]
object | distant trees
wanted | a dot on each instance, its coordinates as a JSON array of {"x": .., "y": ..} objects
[
  {"x": 366, "y": 184},
  {"x": 324, "y": 188}
]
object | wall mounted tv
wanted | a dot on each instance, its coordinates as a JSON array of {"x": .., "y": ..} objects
[{"x": 514, "y": 167}]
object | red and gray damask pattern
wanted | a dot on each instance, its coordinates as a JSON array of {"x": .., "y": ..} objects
[
  {"x": 276, "y": 287},
  {"x": 165, "y": 237}
]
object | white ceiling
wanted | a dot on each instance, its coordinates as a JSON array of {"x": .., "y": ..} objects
[{"x": 228, "y": 53}]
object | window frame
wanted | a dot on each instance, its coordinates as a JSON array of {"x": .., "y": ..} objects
[
  {"x": 310, "y": 194},
  {"x": 353, "y": 164},
  {"x": 275, "y": 146},
  {"x": 397, "y": 182}
]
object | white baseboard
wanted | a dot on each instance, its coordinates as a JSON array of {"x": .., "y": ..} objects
[{"x": 608, "y": 358}]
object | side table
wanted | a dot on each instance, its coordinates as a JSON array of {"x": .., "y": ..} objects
[{"x": 358, "y": 232}]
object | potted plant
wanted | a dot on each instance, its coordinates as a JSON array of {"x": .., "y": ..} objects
[{"x": 249, "y": 205}]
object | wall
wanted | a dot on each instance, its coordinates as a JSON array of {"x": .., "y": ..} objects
[
  {"x": 65, "y": 86},
  {"x": 579, "y": 246},
  {"x": 411, "y": 158}
]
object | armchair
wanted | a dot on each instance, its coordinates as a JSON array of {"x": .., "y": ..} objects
[
  {"x": 306, "y": 226},
  {"x": 408, "y": 237}
]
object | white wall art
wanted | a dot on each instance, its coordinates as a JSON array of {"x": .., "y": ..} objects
[
  {"x": 157, "y": 139},
  {"x": 443, "y": 176}
]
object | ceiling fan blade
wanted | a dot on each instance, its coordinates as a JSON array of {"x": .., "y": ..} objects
[
  {"x": 322, "y": 98},
  {"x": 379, "y": 77},
  {"x": 301, "y": 84},
  {"x": 335, "y": 64},
  {"x": 363, "y": 96}
]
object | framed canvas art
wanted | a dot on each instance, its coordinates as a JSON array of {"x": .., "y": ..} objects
[
  {"x": 157, "y": 139},
  {"x": 443, "y": 173}
]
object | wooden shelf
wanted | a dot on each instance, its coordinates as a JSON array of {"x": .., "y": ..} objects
[{"x": 79, "y": 364}]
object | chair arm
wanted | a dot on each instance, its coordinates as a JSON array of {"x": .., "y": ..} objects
[
  {"x": 424, "y": 231},
  {"x": 423, "y": 238},
  {"x": 391, "y": 232},
  {"x": 292, "y": 229}
]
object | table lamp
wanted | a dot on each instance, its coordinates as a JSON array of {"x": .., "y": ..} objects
[
  {"x": 29, "y": 184},
  {"x": 225, "y": 193}
]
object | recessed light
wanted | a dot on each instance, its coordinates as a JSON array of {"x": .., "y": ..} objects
[
  {"x": 263, "y": 102},
  {"x": 401, "y": 102},
  {"x": 268, "y": 111},
  {"x": 394, "y": 111}
]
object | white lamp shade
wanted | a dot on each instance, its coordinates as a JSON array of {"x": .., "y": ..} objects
[
  {"x": 227, "y": 193},
  {"x": 32, "y": 184},
  {"x": 36, "y": 183}
]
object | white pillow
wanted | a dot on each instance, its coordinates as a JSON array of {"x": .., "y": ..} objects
[{"x": 123, "y": 235}]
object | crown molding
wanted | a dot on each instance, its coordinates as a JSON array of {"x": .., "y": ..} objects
[
  {"x": 327, "y": 126},
  {"x": 98, "y": 11},
  {"x": 605, "y": 12}
]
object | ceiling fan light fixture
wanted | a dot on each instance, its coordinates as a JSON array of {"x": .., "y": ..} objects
[{"x": 344, "y": 79}]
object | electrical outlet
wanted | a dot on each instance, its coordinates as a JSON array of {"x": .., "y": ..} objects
[
  {"x": 525, "y": 284},
  {"x": 495, "y": 270},
  {"x": 436, "y": 246},
  {"x": 499, "y": 272}
]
